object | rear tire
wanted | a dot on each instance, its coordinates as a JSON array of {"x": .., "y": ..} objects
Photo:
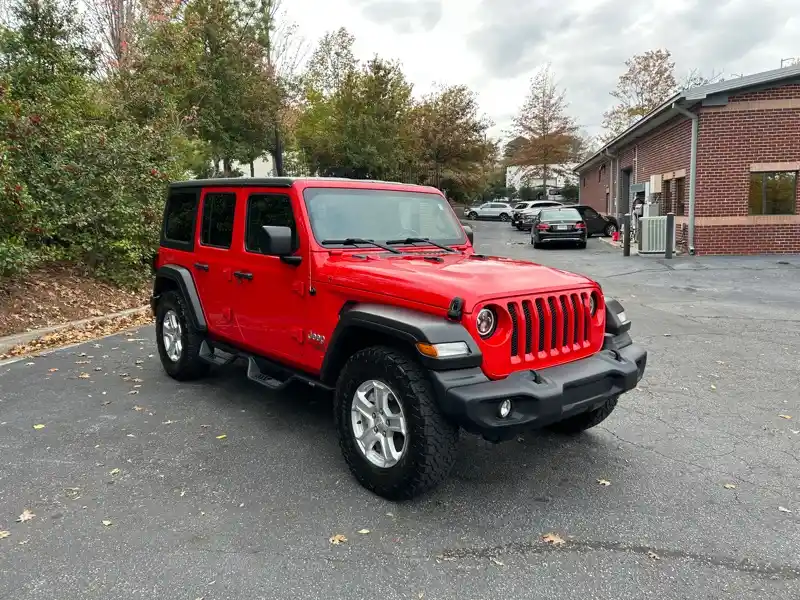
[
  {"x": 610, "y": 229},
  {"x": 582, "y": 245},
  {"x": 586, "y": 420},
  {"x": 430, "y": 442},
  {"x": 473, "y": 216},
  {"x": 181, "y": 362},
  {"x": 503, "y": 217}
]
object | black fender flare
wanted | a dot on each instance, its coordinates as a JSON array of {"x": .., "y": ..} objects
[
  {"x": 404, "y": 324},
  {"x": 182, "y": 277}
]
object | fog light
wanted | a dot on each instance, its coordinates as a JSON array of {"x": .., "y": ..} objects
[{"x": 505, "y": 409}]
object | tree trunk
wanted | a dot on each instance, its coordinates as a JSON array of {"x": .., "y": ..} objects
[
  {"x": 252, "y": 169},
  {"x": 278, "y": 154},
  {"x": 227, "y": 169}
]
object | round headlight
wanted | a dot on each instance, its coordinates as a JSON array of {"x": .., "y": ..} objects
[
  {"x": 592, "y": 304},
  {"x": 486, "y": 322}
]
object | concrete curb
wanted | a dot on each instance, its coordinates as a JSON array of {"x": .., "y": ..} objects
[{"x": 8, "y": 342}]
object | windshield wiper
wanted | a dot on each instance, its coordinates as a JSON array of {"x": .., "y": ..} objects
[
  {"x": 356, "y": 241},
  {"x": 421, "y": 240}
]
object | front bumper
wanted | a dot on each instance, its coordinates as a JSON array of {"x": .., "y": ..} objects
[{"x": 539, "y": 398}]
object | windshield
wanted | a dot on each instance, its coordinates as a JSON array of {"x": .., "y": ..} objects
[
  {"x": 549, "y": 214},
  {"x": 380, "y": 215}
]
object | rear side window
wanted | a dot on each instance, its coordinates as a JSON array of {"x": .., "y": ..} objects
[
  {"x": 268, "y": 209},
  {"x": 179, "y": 217},
  {"x": 217, "y": 224}
]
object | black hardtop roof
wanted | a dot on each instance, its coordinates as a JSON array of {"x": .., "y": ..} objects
[{"x": 279, "y": 182}]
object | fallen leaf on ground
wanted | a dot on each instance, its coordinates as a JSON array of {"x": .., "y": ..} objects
[
  {"x": 553, "y": 538},
  {"x": 363, "y": 531},
  {"x": 131, "y": 435},
  {"x": 137, "y": 380},
  {"x": 113, "y": 472},
  {"x": 84, "y": 376},
  {"x": 604, "y": 482},
  {"x": 784, "y": 509},
  {"x": 205, "y": 426},
  {"x": 138, "y": 408},
  {"x": 222, "y": 437},
  {"x": 729, "y": 486},
  {"x": 785, "y": 416},
  {"x": 28, "y": 364},
  {"x": 653, "y": 555},
  {"x": 4, "y": 534},
  {"x": 337, "y": 539},
  {"x": 713, "y": 387},
  {"x": 107, "y": 523},
  {"x": 497, "y": 562},
  {"x": 53, "y": 370},
  {"x": 795, "y": 431},
  {"x": 133, "y": 392},
  {"x": 25, "y": 516},
  {"x": 98, "y": 368},
  {"x": 137, "y": 339},
  {"x": 107, "y": 402},
  {"x": 39, "y": 426},
  {"x": 167, "y": 422},
  {"x": 82, "y": 362}
]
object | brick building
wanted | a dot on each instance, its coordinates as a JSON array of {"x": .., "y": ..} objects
[{"x": 737, "y": 143}]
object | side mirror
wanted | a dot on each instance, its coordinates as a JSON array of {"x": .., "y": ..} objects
[
  {"x": 470, "y": 234},
  {"x": 276, "y": 240}
]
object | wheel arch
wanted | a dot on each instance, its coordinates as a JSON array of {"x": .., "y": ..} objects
[
  {"x": 363, "y": 325},
  {"x": 178, "y": 278}
]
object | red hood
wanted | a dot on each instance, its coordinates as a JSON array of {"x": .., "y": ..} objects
[{"x": 437, "y": 283}]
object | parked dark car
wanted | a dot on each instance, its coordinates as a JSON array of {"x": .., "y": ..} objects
[
  {"x": 597, "y": 223},
  {"x": 563, "y": 224},
  {"x": 518, "y": 208},
  {"x": 525, "y": 217}
]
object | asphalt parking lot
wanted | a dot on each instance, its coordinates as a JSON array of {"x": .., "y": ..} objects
[{"x": 146, "y": 488}]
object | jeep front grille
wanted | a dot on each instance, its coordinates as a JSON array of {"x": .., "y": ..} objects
[{"x": 550, "y": 325}]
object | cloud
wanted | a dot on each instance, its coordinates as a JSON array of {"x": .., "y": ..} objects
[
  {"x": 405, "y": 16},
  {"x": 588, "y": 41}
]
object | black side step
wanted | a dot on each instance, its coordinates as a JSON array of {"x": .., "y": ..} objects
[
  {"x": 215, "y": 356},
  {"x": 254, "y": 373}
]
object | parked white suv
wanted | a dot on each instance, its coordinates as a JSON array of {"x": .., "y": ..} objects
[
  {"x": 525, "y": 218},
  {"x": 490, "y": 210}
]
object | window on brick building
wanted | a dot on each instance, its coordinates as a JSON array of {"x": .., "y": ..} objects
[
  {"x": 773, "y": 193},
  {"x": 600, "y": 172}
]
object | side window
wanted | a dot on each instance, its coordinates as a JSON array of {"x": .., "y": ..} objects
[
  {"x": 179, "y": 217},
  {"x": 590, "y": 213},
  {"x": 268, "y": 209},
  {"x": 217, "y": 224}
]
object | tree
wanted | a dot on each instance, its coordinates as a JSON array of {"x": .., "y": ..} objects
[
  {"x": 646, "y": 84},
  {"x": 359, "y": 129},
  {"x": 331, "y": 62},
  {"x": 547, "y": 137},
  {"x": 449, "y": 136}
]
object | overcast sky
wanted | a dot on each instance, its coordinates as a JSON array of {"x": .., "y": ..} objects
[{"x": 494, "y": 46}]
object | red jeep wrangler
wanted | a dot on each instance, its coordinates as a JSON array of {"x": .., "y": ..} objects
[{"x": 374, "y": 291}]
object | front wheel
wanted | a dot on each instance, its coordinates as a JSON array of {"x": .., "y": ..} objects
[
  {"x": 473, "y": 215},
  {"x": 585, "y": 420},
  {"x": 610, "y": 230},
  {"x": 393, "y": 436},
  {"x": 504, "y": 217}
]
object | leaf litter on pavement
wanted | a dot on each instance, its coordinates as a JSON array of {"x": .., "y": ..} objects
[
  {"x": 26, "y": 515},
  {"x": 337, "y": 539},
  {"x": 553, "y": 539}
]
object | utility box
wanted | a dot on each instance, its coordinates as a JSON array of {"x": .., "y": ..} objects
[{"x": 656, "y": 183}]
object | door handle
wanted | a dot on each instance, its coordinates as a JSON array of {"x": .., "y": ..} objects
[
  {"x": 201, "y": 266},
  {"x": 242, "y": 275}
]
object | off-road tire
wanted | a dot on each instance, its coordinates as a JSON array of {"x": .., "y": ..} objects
[
  {"x": 432, "y": 440},
  {"x": 189, "y": 366},
  {"x": 586, "y": 420}
]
